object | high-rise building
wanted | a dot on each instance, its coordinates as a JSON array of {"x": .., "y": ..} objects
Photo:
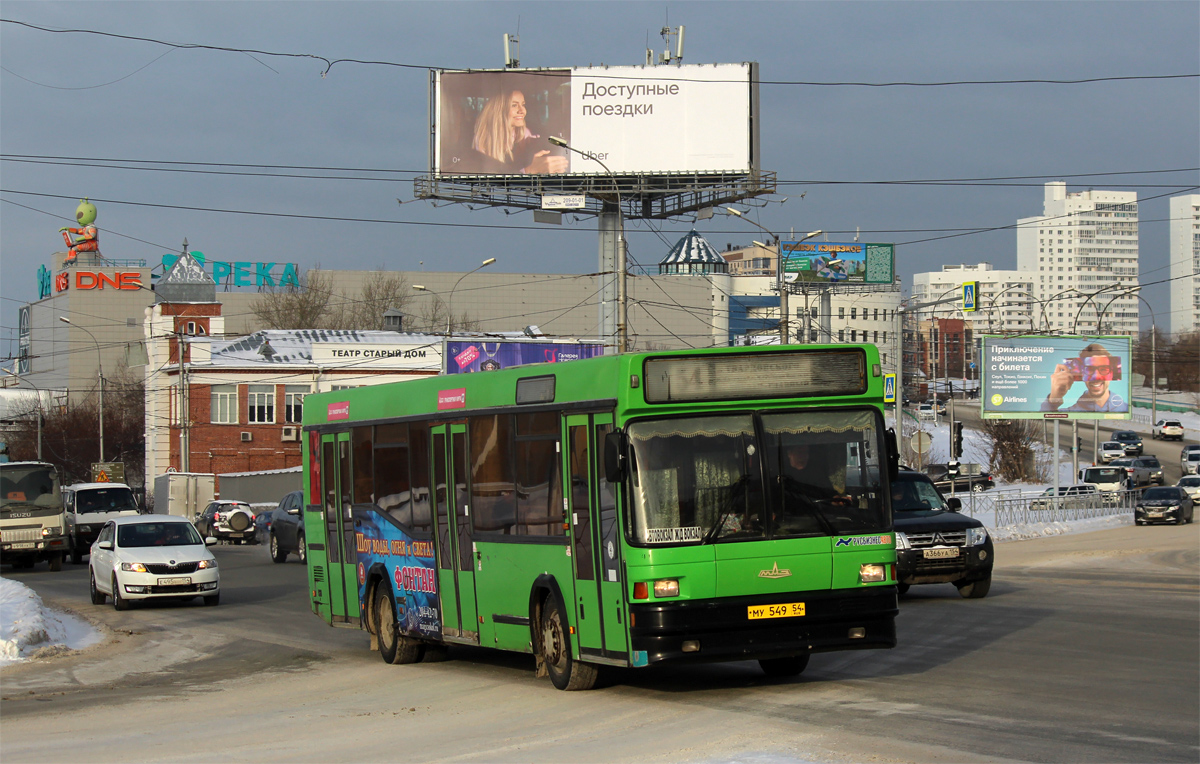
[
  {"x": 1082, "y": 255},
  {"x": 1185, "y": 264},
  {"x": 1003, "y": 298}
]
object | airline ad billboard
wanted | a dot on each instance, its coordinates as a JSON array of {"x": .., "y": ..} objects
[
  {"x": 630, "y": 120},
  {"x": 1056, "y": 377}
]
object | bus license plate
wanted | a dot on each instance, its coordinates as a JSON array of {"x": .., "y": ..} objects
[
  {"x": 788, "y": 610},
  {"x": 935, "y": 554},
  {"x": 174, "y": 581}
]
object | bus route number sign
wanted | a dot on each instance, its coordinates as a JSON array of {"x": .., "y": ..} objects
[{"x": 787, "y": 610}]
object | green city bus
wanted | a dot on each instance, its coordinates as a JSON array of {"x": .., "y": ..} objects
[{"x": 627, "y": 510}]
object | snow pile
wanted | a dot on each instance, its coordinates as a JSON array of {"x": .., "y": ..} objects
[
  {"x": 27, "y": 626},
  {"x": 1041, "y": 530}
]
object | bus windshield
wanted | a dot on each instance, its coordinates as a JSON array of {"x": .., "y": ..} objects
[
  {"x": 35, "y": 484},
  {"x": 745, "y": 476}
]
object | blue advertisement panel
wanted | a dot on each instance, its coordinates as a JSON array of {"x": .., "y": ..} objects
[
  {"x": 410, "y": 568},
  {"x": 838, "y": 262},
  {"x": 1043, "y": 377},
  {"x": 464, "y": 356}
]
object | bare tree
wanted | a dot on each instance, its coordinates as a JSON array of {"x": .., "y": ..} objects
[
  {"x": 293, "y": 306},
  {"x": 70, "y": 433},
  {"x": 1011, "y": 451}
]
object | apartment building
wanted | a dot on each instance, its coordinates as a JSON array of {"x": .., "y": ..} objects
[
  {"x": 1082, "y": 256},
  {"x": 1003, "y": 298},
  {"x": 1184, "y": 243}
]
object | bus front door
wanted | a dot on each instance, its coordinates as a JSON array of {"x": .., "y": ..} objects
[
  {"x": 340, "y": 555},
  {"x": 456, "y": 552},
  {"x": 583, "y": 529},
  {"x": 607, "y": 537}
]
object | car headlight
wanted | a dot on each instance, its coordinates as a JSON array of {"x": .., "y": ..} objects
[
  {"x": 976, "y": 536},
  {"x": 206, "y": 564},
  {"x": 902, "y": 541},
  {"x": 133, "y": 567}
]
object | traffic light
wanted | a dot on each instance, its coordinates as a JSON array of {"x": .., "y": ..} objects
[{"x": 956, "y": 448}]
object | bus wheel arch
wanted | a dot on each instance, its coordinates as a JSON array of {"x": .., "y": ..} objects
[
  {"x": 549, "y": 620},
  {"x": 394, "y": 647}
]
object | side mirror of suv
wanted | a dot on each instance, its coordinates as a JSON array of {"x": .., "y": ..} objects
[{"x": 954, "y": 503}]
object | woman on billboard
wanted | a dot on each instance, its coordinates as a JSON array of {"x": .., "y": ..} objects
[{"x": 498, "y": 139}]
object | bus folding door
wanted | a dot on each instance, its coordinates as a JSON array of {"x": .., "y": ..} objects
[{"x": 455, "y": 551}]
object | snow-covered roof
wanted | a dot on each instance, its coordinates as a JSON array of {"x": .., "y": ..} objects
[{"x": 692, "y": 248}]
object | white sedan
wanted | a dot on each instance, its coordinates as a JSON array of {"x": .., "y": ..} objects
[
  {"x": 1191, "y": 484},
  {"x": 147, "y": 557},
  {"x": 1111, "y": 450}
]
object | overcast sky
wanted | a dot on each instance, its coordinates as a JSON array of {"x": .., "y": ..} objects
[{"x": 76, "y": 95}]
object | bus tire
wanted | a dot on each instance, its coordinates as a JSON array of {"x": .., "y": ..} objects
[
  {"x": 565, "y": 672},
  {"x": 778, "y": 668},
  {"x": 394, "y": 647}
]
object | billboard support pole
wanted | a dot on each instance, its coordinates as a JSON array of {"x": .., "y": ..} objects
[
  {"x": 827, "y": 314},
  {"x": 1074, "y": 447},
  {"x": 1057, "y": 457}
]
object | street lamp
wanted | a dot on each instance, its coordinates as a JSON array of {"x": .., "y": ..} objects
[
  {"x": 39, "y": 408},
  {"x": 99, "y": 373},
  {"x": 435, "y": 295},
  {"x": 619, "y": 261},
  {"x": 449, "y": 301},
  {"x": 784, "y": 334}
]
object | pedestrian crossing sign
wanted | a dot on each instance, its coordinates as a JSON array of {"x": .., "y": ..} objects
[
  {"x": 970, "y": 295},
  {"x": 889, "y": 388}
]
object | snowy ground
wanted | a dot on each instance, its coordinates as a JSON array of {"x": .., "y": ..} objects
[{"x": 29, "y": 629}]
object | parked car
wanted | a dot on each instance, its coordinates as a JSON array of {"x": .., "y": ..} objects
[
  {"x": 940, "y": 474},
  {"x": 1167, "y": 429},
  {"x": 926, "y": 412},
  {"x": 146, "y": 557},
  {"x": 1164, "y": 504},
  {"x": 287, "y": 528},
  {"x": 1067, "y": 496},
  {"x": 1131, "y": 440},
  {"x": 89, "y": 507},
  {"x": 227, "y": 521},
  {"x": 1191, "y": 484},
  {"x": 934, "y": 543},
  {"x": 1112, "y": 449}
]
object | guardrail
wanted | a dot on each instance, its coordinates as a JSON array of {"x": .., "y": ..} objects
[{"x": 1022, "y": 507}]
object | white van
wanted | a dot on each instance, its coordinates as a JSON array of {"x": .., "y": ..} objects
[
  {"x": 1108, "y": 480},
  {"x": 89, "y": 507}
]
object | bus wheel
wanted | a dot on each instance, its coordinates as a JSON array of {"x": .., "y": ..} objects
[
  {"x": 784, "y": 667},
  {"x": 565, "y": 672},
  {"x": 394, "y": 647}
]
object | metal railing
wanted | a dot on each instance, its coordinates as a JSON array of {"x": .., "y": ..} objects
[{"x": 1021, "y": 507}]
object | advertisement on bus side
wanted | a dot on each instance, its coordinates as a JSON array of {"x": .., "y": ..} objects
[{"x": 410, "y": 567}]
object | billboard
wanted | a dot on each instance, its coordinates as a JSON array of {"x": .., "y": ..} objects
[
  {"x": 633, "y": 119},
  {"x": 465, "y": 356},
  {"x": 1043, "y": 377},
  {"x": 831, "y": 262}
]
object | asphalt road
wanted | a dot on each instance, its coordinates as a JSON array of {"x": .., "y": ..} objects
[{"x": 1087, "y": 649}]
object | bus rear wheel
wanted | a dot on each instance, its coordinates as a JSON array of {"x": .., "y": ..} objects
[
  {"x": 784, "y": 667},
  {"x": 394, "y": 647},
  {"x": 565, "y": 672}
]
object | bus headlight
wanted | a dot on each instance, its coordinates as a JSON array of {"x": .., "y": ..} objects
[
  {"x": 872, "y": 573},
  {"x": 667, "y": 587}
]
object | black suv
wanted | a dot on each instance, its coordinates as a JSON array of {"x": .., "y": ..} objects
[
  {"x": 934, "y": 543},
  {"x": 1131, "y": 440}
]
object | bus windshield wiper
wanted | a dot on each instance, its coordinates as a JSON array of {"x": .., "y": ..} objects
[{"x": 726, "y": 510}]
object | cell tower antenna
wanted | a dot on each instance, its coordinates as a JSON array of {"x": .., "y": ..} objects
[
  {"x": 669, "y": 57},
  {"x": 512, "y": 49}
]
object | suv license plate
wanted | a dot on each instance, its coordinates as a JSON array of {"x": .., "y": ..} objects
[
  {"x": 174, "y": 581},
  {"x": 788, "y": 610},
  {"x": 934, "y": 554}
]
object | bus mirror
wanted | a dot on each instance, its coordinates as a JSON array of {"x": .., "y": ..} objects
[
  {"x": 614, "y": 460},
  {"x": 893, "y": 454}
]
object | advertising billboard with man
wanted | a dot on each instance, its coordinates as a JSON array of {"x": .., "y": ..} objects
[{"x": 1041, "y": 377}]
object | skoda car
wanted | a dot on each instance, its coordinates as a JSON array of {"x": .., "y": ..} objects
[
  {"x": 1164, "y": 504},
  {"x": 147, "y": 557},
  {"x": 934, "y": 543}
]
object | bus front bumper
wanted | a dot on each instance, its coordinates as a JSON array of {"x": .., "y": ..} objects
[{"x": 721, "y": 629}]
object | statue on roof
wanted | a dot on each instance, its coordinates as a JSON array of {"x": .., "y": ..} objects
[{"x": 88, "y": 233}]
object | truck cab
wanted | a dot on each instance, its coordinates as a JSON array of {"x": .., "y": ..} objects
[
  {"x": 89, "y": 506},
  {"x": 33, "y": 523}
]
